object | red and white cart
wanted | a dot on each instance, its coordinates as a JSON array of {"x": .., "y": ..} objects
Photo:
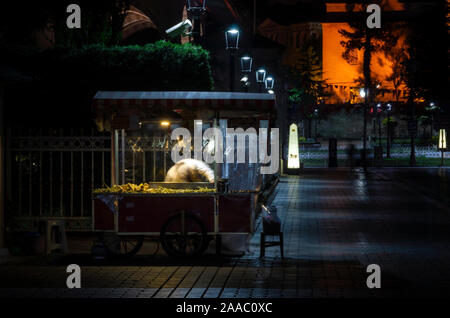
[{"x": 184, "y": 222}]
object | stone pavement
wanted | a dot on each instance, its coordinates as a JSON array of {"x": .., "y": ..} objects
[{"x": 335, "y": 223}]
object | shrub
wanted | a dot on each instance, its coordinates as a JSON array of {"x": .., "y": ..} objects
[
  {"x": 342, "y": 124},
  {"x": 156, "y": 66}
]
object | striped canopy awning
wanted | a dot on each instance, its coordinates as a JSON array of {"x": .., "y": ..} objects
[{"x": 106, "y": 101}]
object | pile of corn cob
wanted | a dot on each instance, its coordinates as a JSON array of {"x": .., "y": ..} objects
[{"x": 146, "y": 188}]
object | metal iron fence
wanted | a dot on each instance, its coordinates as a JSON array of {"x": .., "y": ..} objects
[
  {"x": 52, "y": 174},
  {"x": 318, "y": 156}
]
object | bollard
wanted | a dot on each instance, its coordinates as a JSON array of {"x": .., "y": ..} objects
[
  {"x": 332, "y": 153},
  {"x": 378, "y": 155}
]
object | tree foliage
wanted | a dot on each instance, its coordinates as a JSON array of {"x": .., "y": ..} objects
[
  {"x": 360, "y": 37},
  {"x": 101, "y": 22},
  {"x": 66, "y": 79},
  {"x": 307, "y": 77},
  {"x": 426, "y": 72},
  {"x": 156, "y": 66},
  {"x": 399, "y": 59}
]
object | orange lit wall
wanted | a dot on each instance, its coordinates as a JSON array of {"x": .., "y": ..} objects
[
  {"x": 341, "y": 76},
  {"x": 336, "y": 70},
  {"x": 387, "y": 5}
]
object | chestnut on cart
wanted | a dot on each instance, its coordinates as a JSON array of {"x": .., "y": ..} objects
[
  {"x": 184, "y": 216},
  {"x": 185, "y": 222}
]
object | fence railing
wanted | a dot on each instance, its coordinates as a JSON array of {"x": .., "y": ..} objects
[
  {"x": 53, "y": 176},
  {"x": 146, "y": 159},
  {"x": 318, "y": 156}
]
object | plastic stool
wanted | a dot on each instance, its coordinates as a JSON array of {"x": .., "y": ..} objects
[
  {"x": 265, "y": 244},
  {"x": 55, "y": 237}
]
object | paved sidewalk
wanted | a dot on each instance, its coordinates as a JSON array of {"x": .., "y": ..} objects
[{"x": 335, "y": 222}]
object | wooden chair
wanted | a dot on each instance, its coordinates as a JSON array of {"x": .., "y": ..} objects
[{"x": 265, "y": 244}]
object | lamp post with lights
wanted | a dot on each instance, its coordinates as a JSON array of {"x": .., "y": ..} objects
[
  {"x": 268, "y": 84},
  {"x": 246, "y": 68},
  {"x": 260, "y": 77},
  {"x": 363, "y": 93},
  {"x": 388, "y": 141},
  {"x": 232, "y": 45},
  {"x": 196, "y": 8},
  {"x": 379, "y": 123},
  {"x": 433, "y": 108},
  {"x": 442, "y": 144},
  {"x": 316, "y": 117}
]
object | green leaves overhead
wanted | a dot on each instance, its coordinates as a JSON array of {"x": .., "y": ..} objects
[
  {"x": 370, "y": 41},
  {"x": 157, "y": 66},
  {"x": 307, "y": 74}
]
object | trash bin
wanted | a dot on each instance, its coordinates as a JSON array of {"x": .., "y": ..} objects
[
  {"x": 332, "y": 153},
  {"x": 378, "y": 155}
]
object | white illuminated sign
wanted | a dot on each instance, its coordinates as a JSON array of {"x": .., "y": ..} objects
[
  {"x": 442, "y": 139},
  {"x": 294, "y": 158}
]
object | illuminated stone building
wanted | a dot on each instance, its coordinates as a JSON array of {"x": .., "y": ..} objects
[{"x": 342, "y": 78}]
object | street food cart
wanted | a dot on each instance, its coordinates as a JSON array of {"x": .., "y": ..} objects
[{"x": 184, "y": 216}]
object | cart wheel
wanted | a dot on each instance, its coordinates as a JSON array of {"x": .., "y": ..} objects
[
  {"x": 184, "y": 235},
  {"x": 119, "y": 245}
]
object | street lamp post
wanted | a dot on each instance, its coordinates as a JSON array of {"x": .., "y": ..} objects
[
  {"x": 268, "y": 83},
  {"x": 379, "y": 123},
  {"x": 260, "y": 77},
  {"x": 388, "y": 141},
  {"x": 246, "y": 68},
  {"x": 316, "y": 116},
  {"x": 364, "y": 94},
  {"x": 246, "y": 64},
  {"x": 196, "y": 8},
  {"x": 412, "y": 127},
  {"x": 442, "y": 144},
  {"x": 433, "y": 108},
  {"x": 232, "y": 45}
]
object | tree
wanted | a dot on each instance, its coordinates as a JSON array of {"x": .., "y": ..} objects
[
  {"x": 360, "y": 37},
  {"x": 426, "y": 65},
  {"x": 101, "y": 22},
  {"x": 363, "y": 38},
  {"x": 60, "y": 72},
  {"x": 306, "y": 75},
  {"x": 307, "y": 71},
  {"x": 428, "y": 118},
  {"x": 398, "y": 56},
  {"x": 426, "y": 72},
  {"x": 390, "y": 123}
]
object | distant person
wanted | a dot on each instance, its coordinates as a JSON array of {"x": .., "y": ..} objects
[
  {"x": 190, "y": 170},
  {"x": 350, "y": 155}
]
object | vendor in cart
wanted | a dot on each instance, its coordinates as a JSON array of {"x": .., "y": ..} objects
[{"x": 190, "y": 170}]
